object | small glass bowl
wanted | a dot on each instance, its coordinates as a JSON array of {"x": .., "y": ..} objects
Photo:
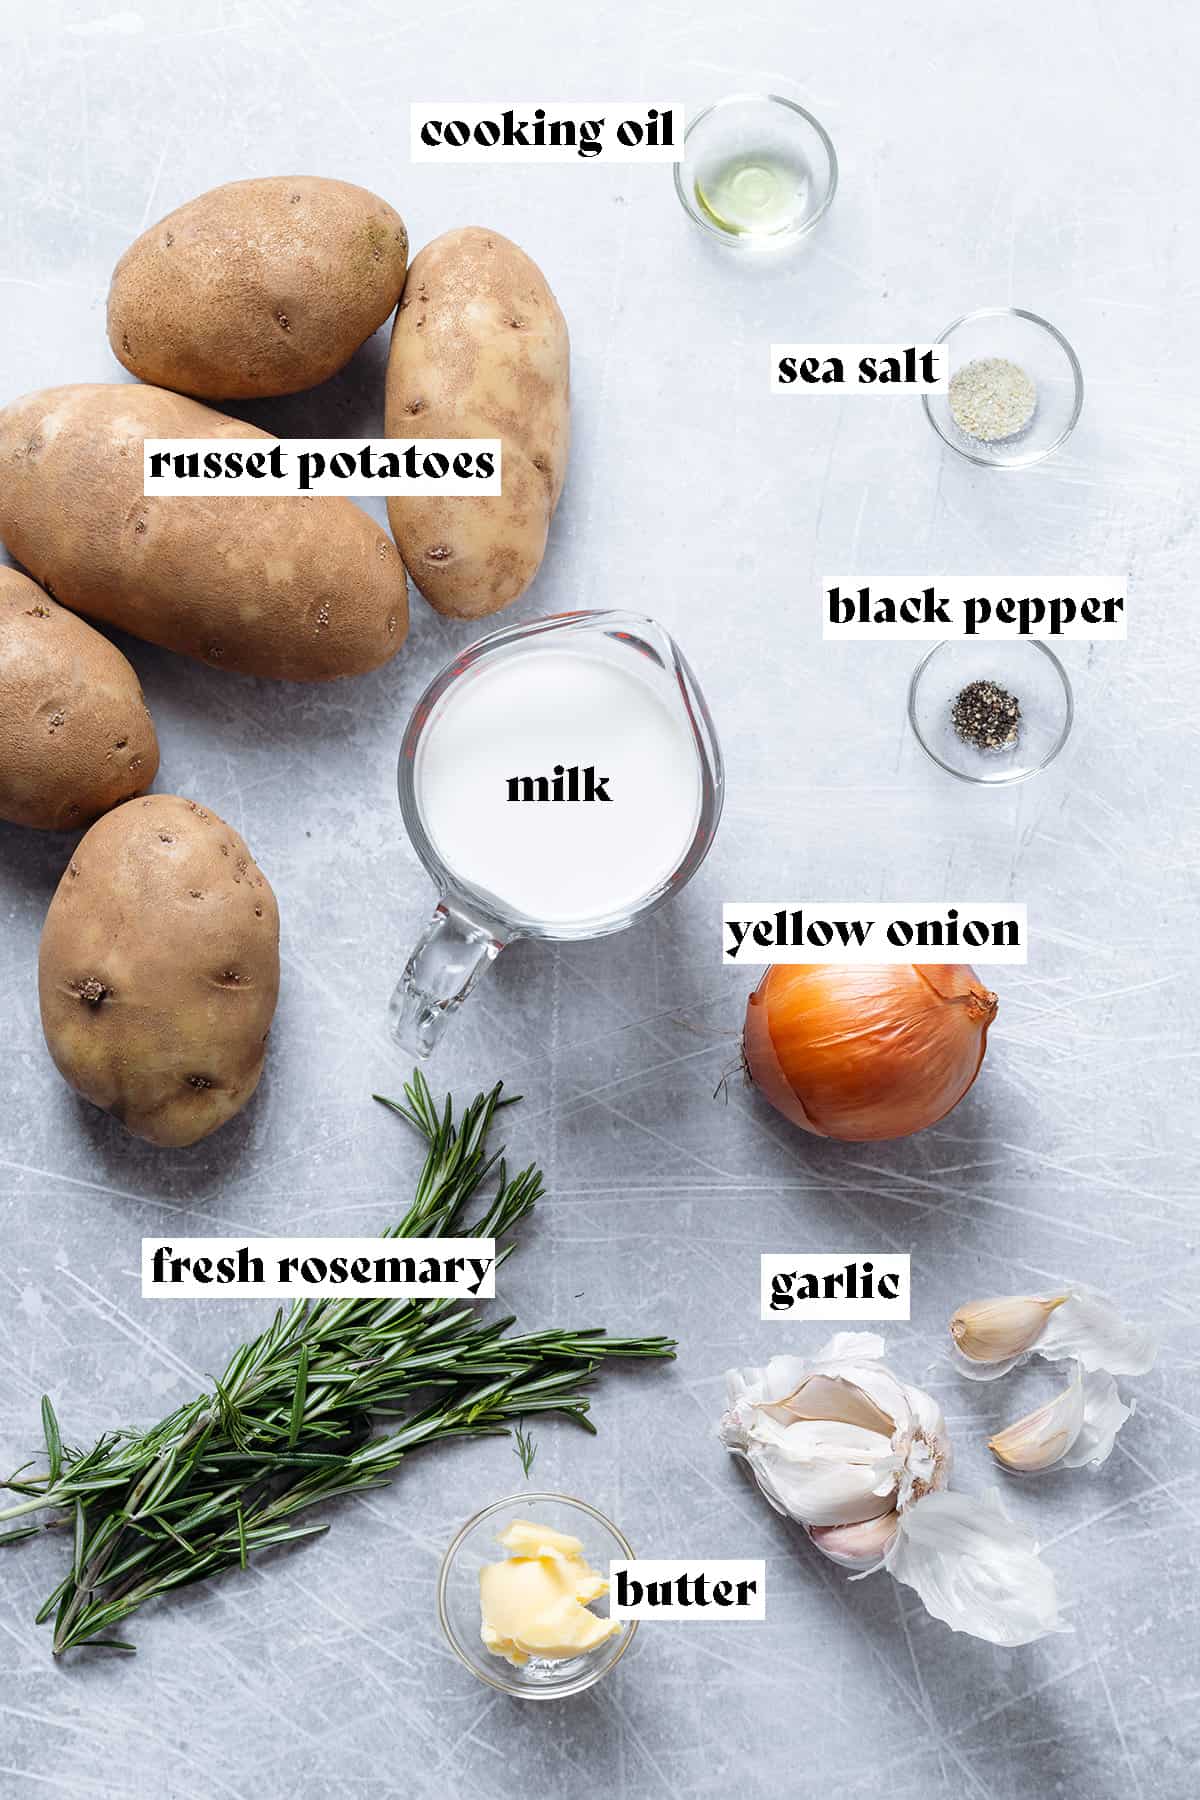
[
  {"x": 769, "y": 164},
  {"x": 1046, "y": 357},
  {"x": 1026, "y": 668},
  {"x": 458, "y": 1594}
]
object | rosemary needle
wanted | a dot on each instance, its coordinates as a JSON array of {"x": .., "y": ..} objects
[
  {"x": 525, "y": 1448},
  {"x": 289, "y": 1423}
]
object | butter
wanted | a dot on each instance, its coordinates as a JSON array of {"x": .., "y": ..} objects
[{"x": 534, "y": 1603}]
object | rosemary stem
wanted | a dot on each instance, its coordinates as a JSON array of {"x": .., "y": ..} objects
[{"x": 38, "y": 1503}]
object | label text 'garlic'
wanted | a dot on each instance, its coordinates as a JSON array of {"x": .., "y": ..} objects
[{"x": 865, "y": 1284}]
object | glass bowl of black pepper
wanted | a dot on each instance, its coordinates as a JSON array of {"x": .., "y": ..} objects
[
  {"x": 1016, "y": 388},
  {"x": 992, "y": 712}
]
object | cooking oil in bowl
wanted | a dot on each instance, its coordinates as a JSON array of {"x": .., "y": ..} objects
[
  {"x": 758, "y": 172},
  {"x": 755, "y": 195}
]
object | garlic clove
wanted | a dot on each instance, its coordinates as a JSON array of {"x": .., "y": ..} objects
[
  {"x": 871, "y": 1377},
  {"x": 832, "y": 1397},
  {"x": 992, "y": 1332},
  {"x": 861, "y": 1547},
  {"x": 823, "y": 1472},
  {"x": 1044, "y": 1437}
]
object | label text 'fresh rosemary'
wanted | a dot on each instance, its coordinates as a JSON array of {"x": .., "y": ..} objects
[{"x": 306, "y": 1268}]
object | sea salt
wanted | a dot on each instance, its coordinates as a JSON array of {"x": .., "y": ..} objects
[{"x": 991, "y": 398}]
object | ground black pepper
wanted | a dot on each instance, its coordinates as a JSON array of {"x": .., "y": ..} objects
[{"x": 986, "y": 715}]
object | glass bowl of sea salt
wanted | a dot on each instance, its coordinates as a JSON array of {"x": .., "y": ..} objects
[{"x": 1016, "y": 388}]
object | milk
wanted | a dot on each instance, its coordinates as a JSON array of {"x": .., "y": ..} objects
[{"x": 521, "y": 728}]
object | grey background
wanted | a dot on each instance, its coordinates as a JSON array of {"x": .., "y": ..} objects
[{"x": 1021, "y": 153}]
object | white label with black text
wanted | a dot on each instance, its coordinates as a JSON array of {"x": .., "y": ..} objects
[
  {"x": 656, "y": 1588},
  {"x": 859, "y": 368},
  {"x": 894, "y": 931},
  {"x": 615, "y": 130},
  {"x": 864, "y": 1284},
  {"x": 439, "y": 1268},
  {"x": 213, "y": 467},
  {"x": 880, "y": 609}
]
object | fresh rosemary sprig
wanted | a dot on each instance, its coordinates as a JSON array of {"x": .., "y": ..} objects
[
  {"x": 525, "y": 1447},
  {"x": 289, "y": 1423}
]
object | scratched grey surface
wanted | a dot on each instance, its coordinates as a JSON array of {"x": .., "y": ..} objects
[{"x": 1027, "y": 153}]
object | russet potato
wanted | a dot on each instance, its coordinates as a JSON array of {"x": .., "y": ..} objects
[
  {"x": 76, "y": 736},
  {"x": 480, "y": 349},
  {"x": 158, "y": 971},
  {"x": 301, "y": 588},
  {"x": 258, "y": 287}
]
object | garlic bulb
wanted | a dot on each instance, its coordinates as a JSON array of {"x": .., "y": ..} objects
[
  {"x": 861, "y": 1459},
  {"x": 838, "y": 1440},
  {"x": 1078, "y": 1426},
  {"x": 993, "y": 1336}
]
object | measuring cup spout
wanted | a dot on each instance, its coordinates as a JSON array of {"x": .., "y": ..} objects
[{"x": 452, "y": 953}]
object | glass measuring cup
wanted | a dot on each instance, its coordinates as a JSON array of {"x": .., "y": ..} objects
[{"x": 470, "y": 925}]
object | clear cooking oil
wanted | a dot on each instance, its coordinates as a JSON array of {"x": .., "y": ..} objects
[{"x": 755, "y": 194}]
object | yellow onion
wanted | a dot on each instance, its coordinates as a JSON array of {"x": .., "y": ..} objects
[{"x": 863, "y": 1051}]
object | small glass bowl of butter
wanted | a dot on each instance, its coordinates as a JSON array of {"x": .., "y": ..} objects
[{"x": 518, "y": 1591}]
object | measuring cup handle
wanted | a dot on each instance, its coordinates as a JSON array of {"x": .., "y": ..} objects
[{"x": 450, "y": 956}]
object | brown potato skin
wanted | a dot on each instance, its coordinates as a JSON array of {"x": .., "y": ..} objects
[
  {"x": 301, "y": 589},
  {"x": 158, "y": 971},
  {"x": 76, "y": 736},
  {"x": 258, "y": 287},
  {"x": 480, "y": 349}
]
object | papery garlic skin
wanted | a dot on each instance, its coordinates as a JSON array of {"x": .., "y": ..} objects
[
  {"x": 1104, "y": 1413},
  {"x": 1089, "y": 1329},
  {"x": 887, "y": 1448},
  {"x": 1078, "y": 1324},
  {"x": 1078, "y": 1427},
  {"x": 975, "y": 1570}
]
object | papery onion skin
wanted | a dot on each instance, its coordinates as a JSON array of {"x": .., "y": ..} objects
[{"x": 866, "y": 1051}]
